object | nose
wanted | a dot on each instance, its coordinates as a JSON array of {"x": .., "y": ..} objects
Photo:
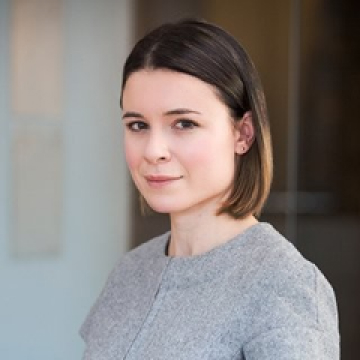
[{"x": 157, "y": 148}]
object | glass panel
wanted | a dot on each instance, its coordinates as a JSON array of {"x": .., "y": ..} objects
[
  {"x": 328, "y": 226},
  {"x": 37, "y": 57}
]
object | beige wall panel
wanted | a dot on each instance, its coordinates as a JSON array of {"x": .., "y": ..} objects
[
  {"x": 37, "y": 57},
  {"x": 37, "y": 190}
]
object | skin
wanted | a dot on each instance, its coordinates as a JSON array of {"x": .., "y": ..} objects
[{"x": 180, "y": 145}]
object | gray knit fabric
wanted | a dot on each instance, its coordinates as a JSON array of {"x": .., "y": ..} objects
[{"x": 254, "y": 297}]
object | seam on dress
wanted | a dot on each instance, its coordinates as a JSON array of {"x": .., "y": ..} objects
[{"x": 148, "y": 312}]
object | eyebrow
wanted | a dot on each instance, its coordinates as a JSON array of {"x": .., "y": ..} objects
[
  {"x": 132, "y": 114},
  {"x": 180, "y": 111}
]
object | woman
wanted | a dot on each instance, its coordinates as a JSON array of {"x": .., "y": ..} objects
[{"x": 220, "y": 284}]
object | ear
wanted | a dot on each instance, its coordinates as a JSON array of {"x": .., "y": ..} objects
[{"x": 244, "y": 133}]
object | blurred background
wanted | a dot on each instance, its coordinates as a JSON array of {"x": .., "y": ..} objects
[{"x": 68, "y": 210}]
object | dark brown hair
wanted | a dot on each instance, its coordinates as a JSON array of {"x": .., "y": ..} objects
[{"x": 209, "y": 53}]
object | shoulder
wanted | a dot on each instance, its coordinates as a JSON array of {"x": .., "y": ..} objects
[
  {"x": 283, "y": 262},
  {"x": 149, "y": 251},
  {"x": 155, "y": 246},
  {"x": 284, "y": 266},
  {"x": 280, "y": 267},
  {"x": 292, "y": 301},
  {"x": 143, "y": 265},
  {"x": 295, "y": 283}
]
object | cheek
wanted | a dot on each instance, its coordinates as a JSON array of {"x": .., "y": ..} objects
[
  {"x": 209, "y": 161},
  {"x": 195, "y": 153},
  {"x": 205, "y": 151},
  {"x": 132, "y": 155}
]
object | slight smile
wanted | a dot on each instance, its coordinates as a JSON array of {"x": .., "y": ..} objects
[{"x": 158, "y": 181}]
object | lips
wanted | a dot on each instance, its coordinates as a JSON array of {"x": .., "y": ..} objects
[{"x": 161, "y": 180}]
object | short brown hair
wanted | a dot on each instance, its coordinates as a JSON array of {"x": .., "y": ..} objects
[{"x": 209, "y": 53}]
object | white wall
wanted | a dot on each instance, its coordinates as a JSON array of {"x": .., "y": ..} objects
[{"x": 44, "y": 298}]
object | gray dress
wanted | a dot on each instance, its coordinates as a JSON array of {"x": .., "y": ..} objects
[{"x": 254, "y": 297}]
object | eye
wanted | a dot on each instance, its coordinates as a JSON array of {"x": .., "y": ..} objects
[
  {"x": 184, "y": 124},
  {"x": 137, "y": 126}
]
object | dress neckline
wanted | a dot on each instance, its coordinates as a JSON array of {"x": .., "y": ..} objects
[{"x": 185, "y": 271}]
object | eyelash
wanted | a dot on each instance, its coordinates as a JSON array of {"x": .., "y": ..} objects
[
  {"x": 141, "y": 125},
  {"x": 131, "y": 126},
  {"x": 190, "y": 124}
]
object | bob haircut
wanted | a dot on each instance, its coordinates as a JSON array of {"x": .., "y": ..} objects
[{"x": 209, "y": 53}]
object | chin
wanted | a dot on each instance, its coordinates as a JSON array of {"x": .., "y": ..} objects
[{"x": 163, "y": 207}]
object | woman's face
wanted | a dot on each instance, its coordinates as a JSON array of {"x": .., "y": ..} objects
[{"x": 180, "y": 141}]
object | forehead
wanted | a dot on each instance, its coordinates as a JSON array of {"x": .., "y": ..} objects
[{"x": 167, "y": 89}]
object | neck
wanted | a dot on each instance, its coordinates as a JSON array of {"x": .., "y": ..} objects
[{"x": 197, "y": 232}]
